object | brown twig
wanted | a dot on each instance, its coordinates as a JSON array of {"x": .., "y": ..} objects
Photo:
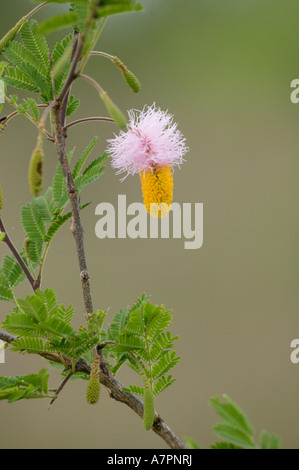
[
  {"x": 116, "y": 391},
  {"x": 61, "y": 386},
  {"x": 76, "y": 226},
  {"x": 33, "y": 282},
  {"x": 87, "y": 119},
  {"x": 4, "y": 120}
]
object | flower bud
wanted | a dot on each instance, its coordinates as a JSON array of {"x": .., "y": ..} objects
[
  {"x": 93, "y": 387},
  {"x": 1, "y": 198},
  {"x": 113, "y": 110},
  {"x": 129, "y": 77},
  {"x": 148, "y": 404},
  {"x": 11, "y": 34},
  {"x": 36, "y": 179}
]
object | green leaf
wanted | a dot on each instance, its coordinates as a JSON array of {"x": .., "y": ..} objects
[
  {"x": 127, "y": 342},
  {"x": 60, "y": 194},
  {"x": 72, "y": 106},
  {"x": 17, "y": 79},
  {"x": 134, "y": 389},
  {"x": 30, "y": 345},
  {"x": 269, "y": 441},
  {"x": 56, "y": 225},
  {"x": 96, "y": 162},
  {"x": 191, "y": 444},
  {"x": 18, "y": 323},
  {"x": 58, "y": 22},
  {"x": 119, "y": 7},
  {"x": 162, "y": 384},
  {"x": 26, "y": 386},
  {"x": 58, "y": 222},
  {"x": 142, "y": 342},
  {"x": 234, "y": 435},
  {"x": 232, "y": 414},
  {"x": 35, "y": 251},
  {"x": 3, "y": 64},
  {"x": 61, "y": 60},
  {"x": 164, "y": 364},
  {"x": 19, "y": 56},
  {"x": 5, "y": 289},
  {"x": 33, "y": 109},
  {"x": 37, "y": 45},
  {"x": 33, "y": 222},
  {"x": 59, "y": 185},
  {"x": 2, "y": 236},
  {"x": 65, "y": 314},
  {"x": 46, "y": 206},
  {"x": 27, "y": 64},
  {"x": 84, "y": 156},
  {"x": 87, "y": 178}
]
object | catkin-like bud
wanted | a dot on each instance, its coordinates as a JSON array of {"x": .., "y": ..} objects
[
  {"x": 35, "y": 174},
  {"x": 129, "y": 77},
  {"x": 148, "y": 404},
  {"x": 11, "y": 34},
  {"x": 1, "y": 198},
  {"x": 113, "y": 110},
  {"x": 93, "y": 387}
]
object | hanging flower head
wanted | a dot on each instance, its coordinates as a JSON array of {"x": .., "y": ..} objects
[{"x": 151, "y": 146}]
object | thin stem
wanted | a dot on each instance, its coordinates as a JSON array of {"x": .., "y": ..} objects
[
  {"x": 61, "y": 386},
  {"x": 72, "y": 75},
  {"x": 45, "y": 114},
  {"x": 39, "y": 277},
  {"x": 76, "y": 226},
  {"x": 34, "y": 284},
  {"x": 94, "y": 41},
  {"x": 96, "y": 118},
  {"x": 5, "y": 119},
  {"x": 52, "y": 78},
  {"x": 92, "y": 81},
  {"x": 103, "y": 54},
  {"x": 35, "y": 10}
]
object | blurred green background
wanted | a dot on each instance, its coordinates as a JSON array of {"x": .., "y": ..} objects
[{"x": 224, "y": 69}]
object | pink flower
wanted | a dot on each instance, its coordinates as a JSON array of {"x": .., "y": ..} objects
[{"x": 151, "y": 141}]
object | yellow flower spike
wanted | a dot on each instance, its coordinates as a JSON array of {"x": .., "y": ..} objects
[{"x": 157, "y": 189}]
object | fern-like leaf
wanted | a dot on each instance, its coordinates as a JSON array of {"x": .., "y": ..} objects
[
  {"x": 61, "y": 60},
  {"x": 58, "y": 22},
  {"x": 72, "y": 106},
  {"x": 84, "y": 156},
  {"x": 32, "y": 222},
  {"x": 17, "y": 79},
  {"x": 12, "y": 271},
  {"x": 37, "y": 45}
]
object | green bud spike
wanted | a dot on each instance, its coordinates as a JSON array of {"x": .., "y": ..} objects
[
  {"x": 11, "y": 34},
  {"x": 129, "y": 77},
  {"x": 35, "y": 174},
  {"x": 26, "y": 247},
  {"x": 93, "y": 387},
  {"x": 148, "y": 404},
  {"x": 1, "y": 198},
  {"x": 113, "y": 110}
]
